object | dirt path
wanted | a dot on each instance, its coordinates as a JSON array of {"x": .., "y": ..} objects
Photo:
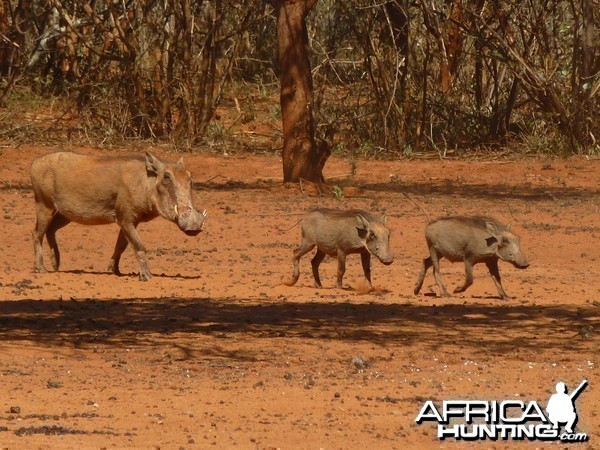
[{"x": 213, "y": 352}]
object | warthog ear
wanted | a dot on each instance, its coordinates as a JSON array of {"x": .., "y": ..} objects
[
  {"x": 491, "y": 241},
  {"x": 491, "y": 227},
  {"x": 362, "y": 226},
  {"x": 153, "y": 164},
  {"x": 508, "y": 227},
  {"x": 363, "y": 223},
  {"x": 180, "y": 164}
]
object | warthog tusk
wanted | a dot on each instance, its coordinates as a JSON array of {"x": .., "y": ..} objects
[
  {"x": 204, "y": 213},
  {"x": 176, "y": 211}
]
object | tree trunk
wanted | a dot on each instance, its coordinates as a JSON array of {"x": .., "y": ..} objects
[
  {"x": 397, "y": 13},
  {"x": 302, "y": 157},
  {"x": 453, "y": 46},
  {"x": 477, "y": 30},
  {"x": 584, "y": 125},
  {"x": 6, "y": 48}
]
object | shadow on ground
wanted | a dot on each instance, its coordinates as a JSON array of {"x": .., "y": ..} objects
[
  {"x": 429, "y": 187},
  {"x": 479, "y": 327},
  {"x": 437, "y": 187}
]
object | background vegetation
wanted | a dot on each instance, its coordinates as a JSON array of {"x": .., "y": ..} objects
[{"x": 391, "y": 78}]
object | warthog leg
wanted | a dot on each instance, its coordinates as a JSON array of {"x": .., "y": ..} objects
[
  {"x": 299, "y": 252},
  {"x": 365, "y": 259},
  {"x": 57, "y": 223},
  {"x": 315, "y": 263},
  {"x": 120, "y": 247},
  {"x": 435, "y": 261},
  {"x": 468, "y": 277},
  {"x": 426, "y": 265},
  {"x": 341, "y": 268},
  {"x": 138, "y": 248},
  {"x": 492, "y": 266},
  {"x": 43, "y": 218}
]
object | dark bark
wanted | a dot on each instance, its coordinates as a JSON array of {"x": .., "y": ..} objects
[
  {"x": 399, "y": 18},
  {"x": 479, "y": 53},
  {"x": 6, "y": 48},
  {"x": 584, "y": 125},
  {"x": 453, "y": 47}
]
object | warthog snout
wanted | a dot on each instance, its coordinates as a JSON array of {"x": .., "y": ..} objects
[
  {"x": 387, "y": 261},
  {"x": 384, "y": 254},
  {"x": 378, "y": 242},
  {"x": 521, "y": 263},
  {"x": 509, "y": 249},
  {"x": 190, "y": 221}
]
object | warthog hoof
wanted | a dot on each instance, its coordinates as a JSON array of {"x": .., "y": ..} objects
[
  {"x": 113, "y": 268},
  {"x": 145, "y": 276}
]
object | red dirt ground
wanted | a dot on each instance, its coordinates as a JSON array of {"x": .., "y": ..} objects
[{"x": 212, "y": 352}]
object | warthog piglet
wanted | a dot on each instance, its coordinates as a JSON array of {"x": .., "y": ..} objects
[
  {"x": 472, "y": 240},
  {"x": 340, "y": 233}
]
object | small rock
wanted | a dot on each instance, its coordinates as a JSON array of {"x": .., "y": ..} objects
[
  {"x": 359, "y": 363},
  {"x": 54, "y": 384},
  {"x": 15, "y": 410}
]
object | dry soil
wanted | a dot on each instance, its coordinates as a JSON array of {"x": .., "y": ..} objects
[{"x": 214, "y": 352}]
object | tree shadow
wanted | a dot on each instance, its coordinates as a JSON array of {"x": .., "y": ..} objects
[
  {"x": 498, "y": 191},
  {"x": 494, "y": 327},
  {"x": 441, "y": 186}
]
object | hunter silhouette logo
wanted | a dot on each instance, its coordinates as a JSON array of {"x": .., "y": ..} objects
[
  {"x": 508, "y": 419},
  {"x": 561, "y": 407}
]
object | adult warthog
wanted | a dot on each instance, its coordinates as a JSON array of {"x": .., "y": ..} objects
[{"x": 95, "y": 190}]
